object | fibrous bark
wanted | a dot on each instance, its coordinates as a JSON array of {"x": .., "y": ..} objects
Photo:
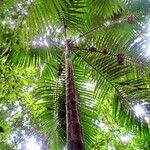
[{"x": 73, "y": 125}]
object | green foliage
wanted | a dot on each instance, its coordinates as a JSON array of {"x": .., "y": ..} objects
[
  {"x": 33, "y": 34},
  {"x": 6, "y": 146}
]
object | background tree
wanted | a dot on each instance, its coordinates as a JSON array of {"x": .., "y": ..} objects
[{"x": 103, "y": 44}]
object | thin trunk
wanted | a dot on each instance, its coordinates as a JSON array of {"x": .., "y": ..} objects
[{"x": 73, "y": 125}]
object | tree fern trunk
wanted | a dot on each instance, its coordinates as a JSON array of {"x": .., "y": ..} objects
[{"x": 73, "y": 125}]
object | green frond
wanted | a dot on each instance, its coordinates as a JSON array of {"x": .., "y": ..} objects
[
  {"x": 108, "y": 77},
  {"x": 51, "y": 96},
  {"x": 105, "y": 8},
  {"x": 49, "y": 13},
  {"x": 38, "y": 39},
  {"x": 21, "y": 54},
  {"x": 131, "y": 93}
]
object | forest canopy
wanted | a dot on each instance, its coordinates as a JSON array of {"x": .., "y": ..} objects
[{"x": 74, "y": 74}]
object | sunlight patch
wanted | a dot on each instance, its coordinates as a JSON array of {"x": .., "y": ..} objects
[
  {"x": 102, "y": 125},
  {"x": 139, "y": 110},
  {"x": 148, "y": 51},
  {"x": 89, "y": 85},
  {"x": 32, "y": 144},
  {"x": 110, "y": 147},
  {"x": 126, "y": 138}
]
